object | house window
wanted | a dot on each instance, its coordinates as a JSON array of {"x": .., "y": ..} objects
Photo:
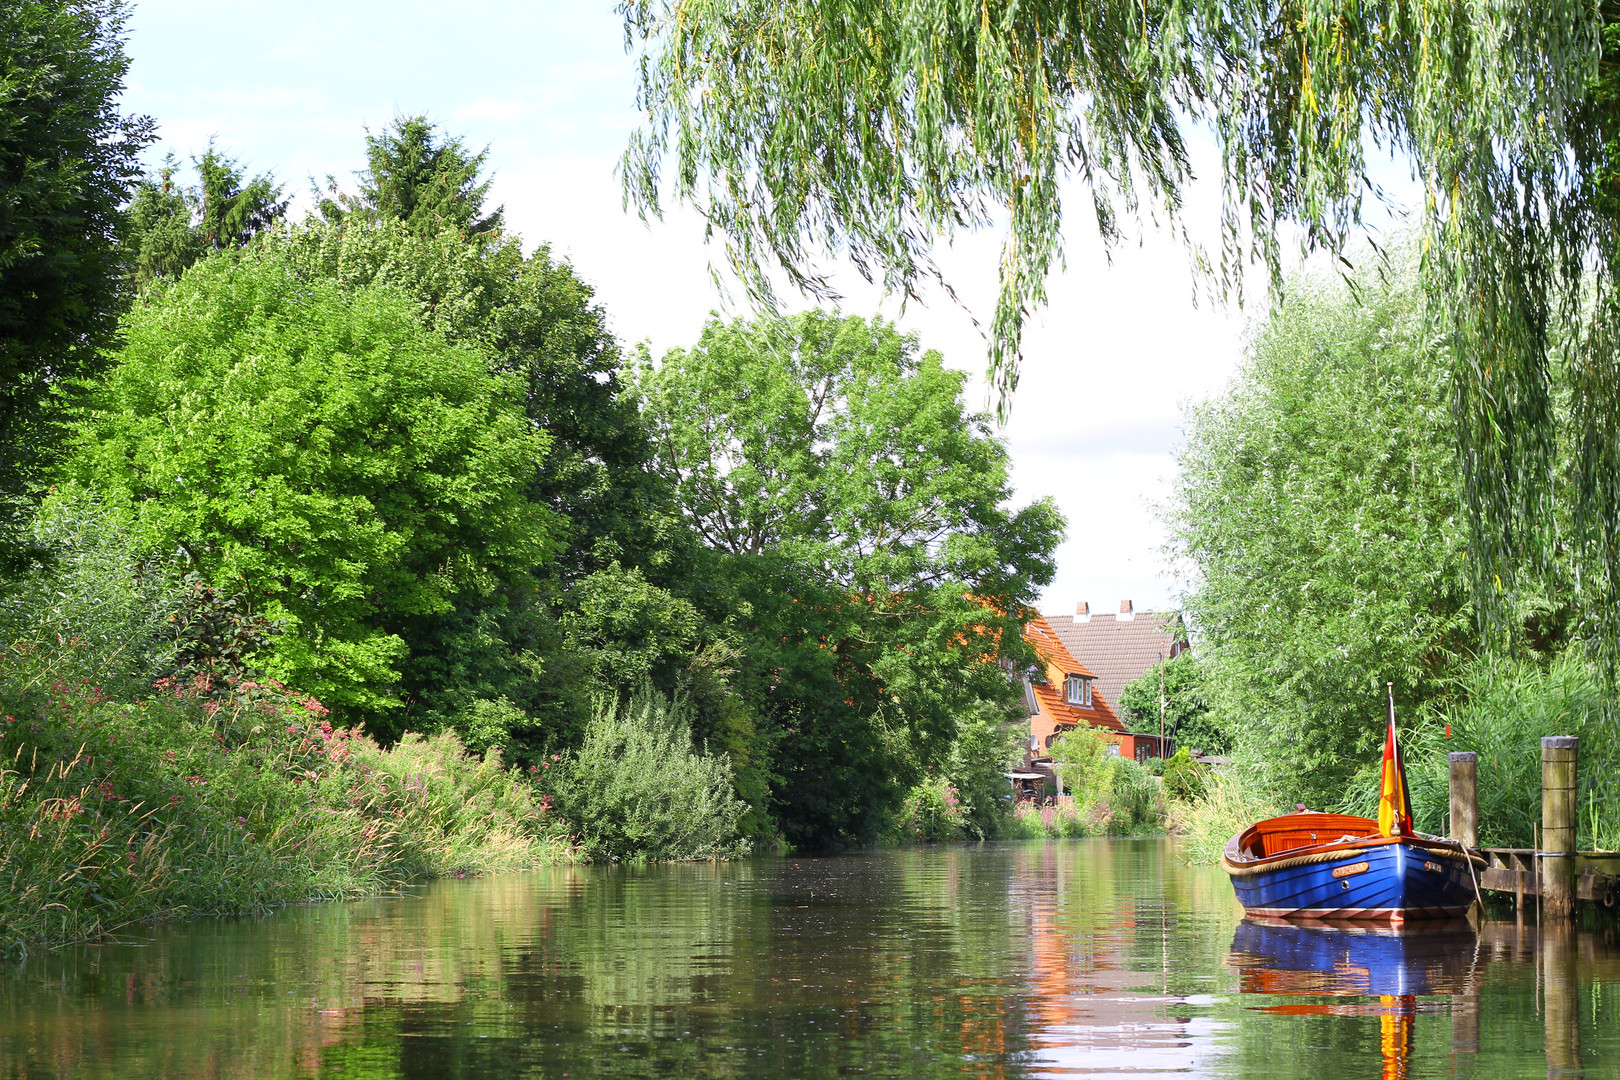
[{"x": 1077, "y": 690}]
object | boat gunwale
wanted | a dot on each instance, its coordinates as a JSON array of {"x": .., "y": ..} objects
[{"x": 1238, "y": 864}]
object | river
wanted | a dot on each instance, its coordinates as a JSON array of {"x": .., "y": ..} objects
[{"x": 1038, "y": 959}]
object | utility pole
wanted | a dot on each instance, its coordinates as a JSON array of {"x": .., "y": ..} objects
[{"x": 1161, "y": 703}]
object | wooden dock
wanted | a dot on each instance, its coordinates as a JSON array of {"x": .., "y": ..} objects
[
  {"x": 1557, "y": 873},
  {"x": 1513, "y": 870}
]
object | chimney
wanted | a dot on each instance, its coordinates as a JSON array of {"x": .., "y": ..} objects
[
  {"x": 1082, "y": 612},
  {"x": 1126, "y": 612}
]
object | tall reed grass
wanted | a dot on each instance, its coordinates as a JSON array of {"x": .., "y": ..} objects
[{"x": 1229, "y": 803}]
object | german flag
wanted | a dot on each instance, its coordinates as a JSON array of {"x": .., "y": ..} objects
[{"x": 1394, "y": 804}]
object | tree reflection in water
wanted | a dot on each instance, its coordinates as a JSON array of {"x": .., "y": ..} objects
[{"x": 985, "y": 961}]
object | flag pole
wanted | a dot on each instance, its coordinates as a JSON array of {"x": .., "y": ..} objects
[
  {"x": 1400, "y": 823},
  {"x": 1404, "y": 810}
]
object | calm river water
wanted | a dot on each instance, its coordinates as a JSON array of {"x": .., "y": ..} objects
[{"x": 1072, "y": 958}]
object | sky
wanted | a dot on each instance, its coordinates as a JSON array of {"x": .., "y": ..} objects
[{"x": 1109, "y": 366}]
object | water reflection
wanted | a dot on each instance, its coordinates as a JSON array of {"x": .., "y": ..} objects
[
  {"x": 1314, "y": 958},
  {"x": 996, "y": 961},
  {"x": 1428, "y": 987},
  {"x": 1384, "y": 970}
]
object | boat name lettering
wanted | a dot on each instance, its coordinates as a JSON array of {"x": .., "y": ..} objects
[
  {"x": 1431, "y": 866},
  {"x": 1353, "y": 868}
]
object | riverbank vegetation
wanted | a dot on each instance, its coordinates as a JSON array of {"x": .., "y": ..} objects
[
  {"x": 1319, "y": 516},
  {"x": 348, "y": 549},
  {"x": 1106, "y": 795},
  {"x": 209, "y": 799}
]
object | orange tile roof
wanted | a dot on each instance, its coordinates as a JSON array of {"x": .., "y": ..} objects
[
  {"x": 1059, "y": 663},
  {"x": 1121, "y": 651}
]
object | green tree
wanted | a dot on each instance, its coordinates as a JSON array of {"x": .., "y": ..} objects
[
  {"x": 1318, "y": 511},
  {"x": 229, "y": 208},
  {"x": 1187, "y": 717},
  {"x": 877, "y": 127},
  {"x": 418, "y": 176},
  {"x": 538, "y": 325},
  {"x": 858, "y": 543},
  {"x": 418, "y": 225},
  {"x": 172, "y": 227},
  {"x": 161, "y": 241},
  {"x": 320, "y": 450},
  {"x": 68, "y": 156},
  {"x": 629, "y": 629}
]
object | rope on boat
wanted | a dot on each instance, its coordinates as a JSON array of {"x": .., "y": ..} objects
[{"x": 1250, "y": 869}]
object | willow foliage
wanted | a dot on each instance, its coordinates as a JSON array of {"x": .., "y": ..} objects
[
  {"x": 1317, "y": 510},
  {"x": 876, "y": 128}
]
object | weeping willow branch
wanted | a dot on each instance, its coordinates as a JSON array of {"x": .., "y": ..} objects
[{"x": 805, "y": 130}]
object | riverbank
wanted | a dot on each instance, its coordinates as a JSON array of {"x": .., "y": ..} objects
[
  {"x": 209, "y": 800},
  {"x": 1124, "y": 800},
  {"x": 1227, "y": 804}
]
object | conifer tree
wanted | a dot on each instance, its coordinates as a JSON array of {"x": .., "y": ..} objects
[
  {"x": 171, "y": 227},
  {"x": 68, "y": 156},
  {"x": 417, "y": 175}
]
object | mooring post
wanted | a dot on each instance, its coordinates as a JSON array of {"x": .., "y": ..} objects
[
  {"x": 1557, "y": 854},
  {"x": 1465, "y": 797}
]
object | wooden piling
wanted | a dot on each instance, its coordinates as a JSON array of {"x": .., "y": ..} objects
[
  {"x": 1465, "y": 797},
  {"x": 1558, "y": 809}
]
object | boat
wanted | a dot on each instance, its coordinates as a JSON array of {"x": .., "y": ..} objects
[{"x": 1343, "y": 867}]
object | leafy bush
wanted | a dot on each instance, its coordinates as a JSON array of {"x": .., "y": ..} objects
[
  {"x": 1120, "y": 793},
  {"x": 638, "y": 788},
  {"x": 1183, "y": 777},
  {"x": 931, "y": 811},
  {"x": 1109, "y": 795},
  {"x": 988, "y": 743},
  {"x": 1081, "y": 757}
]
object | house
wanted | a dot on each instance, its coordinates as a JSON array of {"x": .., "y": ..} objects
[
  {"x": 1062, "y": 694},
  {"x": 1123, "y": 647}
]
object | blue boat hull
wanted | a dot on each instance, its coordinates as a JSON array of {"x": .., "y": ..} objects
[{"x": 1392, "y": 882}]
